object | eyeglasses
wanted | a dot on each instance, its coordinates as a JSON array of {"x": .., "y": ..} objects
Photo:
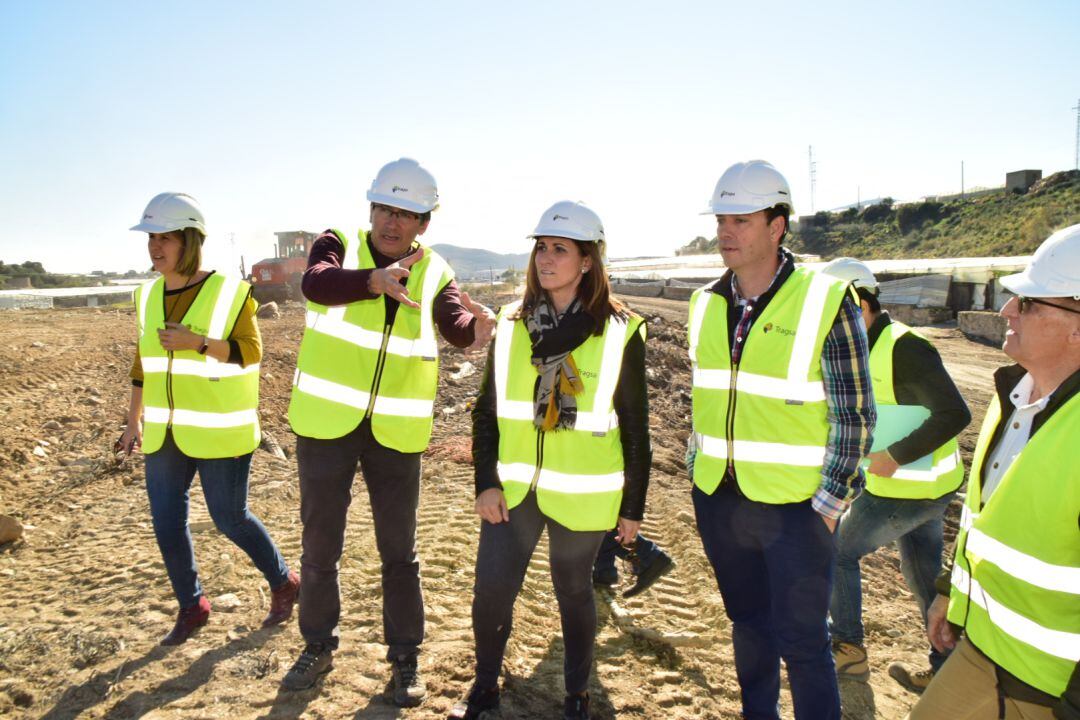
[
  {"x": 398, "y": 213},
  {"x": 1026, "y": 302}
]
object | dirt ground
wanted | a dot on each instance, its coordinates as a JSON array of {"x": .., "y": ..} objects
[{"x": 84, "y": 597}]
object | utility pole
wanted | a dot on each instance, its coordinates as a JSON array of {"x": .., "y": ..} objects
[
  {"x": 961, "y": 179},
  {"x": 858, "y": 197},
  {"x": 813, "y": 177},
  {"x": 1076, "y": 160}
]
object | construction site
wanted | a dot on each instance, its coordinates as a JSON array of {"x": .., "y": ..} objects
[{"x": 85, "y": 597}]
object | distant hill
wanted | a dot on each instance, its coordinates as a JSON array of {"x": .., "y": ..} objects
[
  {"x": 470, "y": 261},
  {"x": 993, "y": 224}
]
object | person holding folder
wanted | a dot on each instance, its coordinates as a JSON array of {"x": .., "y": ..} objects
[{"x": 913, "y": 474}]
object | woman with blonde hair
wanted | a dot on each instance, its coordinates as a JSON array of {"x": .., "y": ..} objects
[
  {"x": 560, "y": 441},
  {"x": 194, "y": 407}
]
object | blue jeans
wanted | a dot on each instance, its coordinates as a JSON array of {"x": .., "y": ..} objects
[
  {"x": 870, "y": 523},
  {"x": 774, "y": 567},
  {"x": 646, "y": 549},
  {"x": 169, "y": 473}
]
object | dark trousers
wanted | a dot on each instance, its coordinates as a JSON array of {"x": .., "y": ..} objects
[
  {"x": 327, "y": 469},
  {"x": 774, "y": 567},
  {"x": 501, "y": 562}
]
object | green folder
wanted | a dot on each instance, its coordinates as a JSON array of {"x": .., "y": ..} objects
[{"x": 896, "y": 422}]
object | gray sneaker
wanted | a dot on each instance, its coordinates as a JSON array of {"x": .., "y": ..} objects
[
  {"x": 406, "y": 689},
  {"x": 313, "y": 663}
]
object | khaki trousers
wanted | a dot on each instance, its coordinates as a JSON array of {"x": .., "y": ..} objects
[{"x": 966, "y": 689}]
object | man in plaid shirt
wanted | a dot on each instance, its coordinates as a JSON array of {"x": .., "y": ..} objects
[{"x": 783, "y": 415}]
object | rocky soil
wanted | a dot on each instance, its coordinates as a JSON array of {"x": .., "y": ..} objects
[{"x": 84, "y": 597}]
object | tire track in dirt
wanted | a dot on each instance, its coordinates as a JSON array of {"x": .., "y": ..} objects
[{"x": 85, "y": 596}]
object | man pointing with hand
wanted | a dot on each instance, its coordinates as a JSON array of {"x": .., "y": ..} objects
[{"x": 363, "y": 394}]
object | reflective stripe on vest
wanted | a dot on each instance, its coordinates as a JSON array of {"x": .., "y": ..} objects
[
  {"x": 776, "y": 433},
  {"x": 947, "y": 470},
  {"x": 352, "y": 365},
  {"x": 578, "y": 472},
  {"x": 210, "y": 406},
  {"x": 1016, "y": 575}
]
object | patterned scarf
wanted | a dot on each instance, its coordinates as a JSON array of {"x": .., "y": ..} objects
[{"x": 553, "y": 337}]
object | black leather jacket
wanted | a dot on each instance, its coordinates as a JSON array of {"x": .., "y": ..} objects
[{"x": 631, "y": 406}]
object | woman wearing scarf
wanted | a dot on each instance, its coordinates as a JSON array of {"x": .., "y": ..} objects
[{"x": 560, "y": 441}]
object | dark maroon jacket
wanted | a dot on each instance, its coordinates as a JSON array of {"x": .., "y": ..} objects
[{"x": 326, "y": 283}]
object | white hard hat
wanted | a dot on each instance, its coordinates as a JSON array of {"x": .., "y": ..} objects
[
  {"x": 404, "y": 184},
  {"x": 1054, "y": 270},
  {"x": 747, "y": 187},
  {"x": 852, "y": 271},
  {"x": 570, "y": 220},
  {"x": 171, "y": 211}
]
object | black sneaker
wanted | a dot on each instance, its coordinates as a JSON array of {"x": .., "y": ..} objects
[
  {"x": 406, "y": 688},
  {"x": 313, "y": 663},
  {"x": 475, "y": 704},
  {"x": 607, "y": 577},
  {"x": 576, "y": 707},
  {"x": 658, "y": 568}
]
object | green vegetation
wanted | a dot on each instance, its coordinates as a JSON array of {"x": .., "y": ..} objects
[
  {"x": 990, "y": 225},
  {"x": 39, "y": 278}
]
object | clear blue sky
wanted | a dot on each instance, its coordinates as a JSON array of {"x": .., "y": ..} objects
[{"x": 277, "y": 115}]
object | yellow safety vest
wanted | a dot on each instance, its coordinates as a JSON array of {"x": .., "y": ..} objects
[
  {"x": 211, "y": 406},
  {"x": 577, "y": 473},
  {"x": 1016, "y": 576},
  {"x": 768, "y": 414},
  {"x": 947, "y": 469},
  {"x": 352, "y": 365}
]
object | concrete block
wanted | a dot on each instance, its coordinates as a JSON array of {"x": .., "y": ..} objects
[
  {"x": 983, "y": 325},
  {"x": 913, "y": 315},
  {"x": 637, "y": 290},
  {"x": 679, "y": 293}
]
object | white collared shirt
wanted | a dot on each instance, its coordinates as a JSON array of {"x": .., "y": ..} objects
[{"x": 1015, "y": 436}]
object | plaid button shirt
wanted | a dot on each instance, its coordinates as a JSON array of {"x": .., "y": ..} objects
[{"x": 845, "y": 369}]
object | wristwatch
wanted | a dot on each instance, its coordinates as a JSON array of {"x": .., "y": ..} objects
[{"x": 205, "y": 346}]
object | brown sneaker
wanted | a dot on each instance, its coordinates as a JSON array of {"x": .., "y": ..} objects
[
  {"x": 282, "y": 600},
  {"x": 187, "y": 622},
  {"x": 850, "y": 660},
  {"x": 914, "y": 682}
]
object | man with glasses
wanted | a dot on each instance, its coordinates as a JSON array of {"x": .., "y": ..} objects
[
  {"x": 1014, "y": 588},
  {"x": 363, "y": 394}
]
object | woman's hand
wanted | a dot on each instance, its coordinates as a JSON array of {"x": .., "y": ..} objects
[
  {"x": 132, "y": 435},
  {"x": 131, "y": 439},
  {"x": 491, "y": 506},
  {"x": 627, "y": 531},
  {"x": 178, "y": 337}
]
